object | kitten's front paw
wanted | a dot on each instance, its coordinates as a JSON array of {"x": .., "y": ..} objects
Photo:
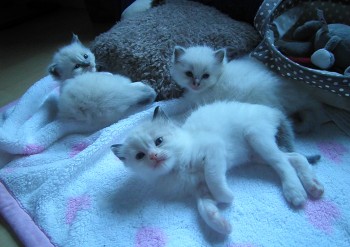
[
  {"x": 211, "y": 215},
  {"x": 219, "y": 223},
  {"x": 146, "y": 93},
  {"x": 295, "y": 195},
  {"x": 224, "y": 198},
  {"x": 316, "y": 189}
]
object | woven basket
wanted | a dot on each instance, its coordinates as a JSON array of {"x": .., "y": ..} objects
[{"x": 292, "y": 13}]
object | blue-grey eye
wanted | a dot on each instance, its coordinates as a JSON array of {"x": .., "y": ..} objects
[
  {"x": 205, "y": 76},
  {"x": 77, "y": 66},
  {"x": 86, "y": 56},
  {"x": 158, "y": 141},
  {"x": 140, "y": 155},
  {"x": 189, "y": 74}
]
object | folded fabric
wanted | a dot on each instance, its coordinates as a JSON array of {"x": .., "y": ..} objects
[
  {"x": 77, "y": 193},
  {"x": 32, "y": 125}
]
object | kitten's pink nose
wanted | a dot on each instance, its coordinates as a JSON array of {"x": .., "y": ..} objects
[
  {"x": 196, "y": 82},
  {"x": 153, "y": 156}
]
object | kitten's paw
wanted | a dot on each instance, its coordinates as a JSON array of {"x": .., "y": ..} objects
[
  {"x": 295, "y": 195},
  {"x": 211, "y": 215},
  {"x": 224, "y": 198},
  {"x": 316, "y": 189},
  {"x": 224, "y": 227},
  {"x": 219, "y": 223},
  {"x": 146, "y": 93}
]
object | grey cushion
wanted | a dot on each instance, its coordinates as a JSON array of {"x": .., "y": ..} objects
[{"x": 141, "y": 47}]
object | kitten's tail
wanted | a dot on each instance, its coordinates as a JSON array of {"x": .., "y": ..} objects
[
  {"x": 313, "y": 159},
  {"x": 285, "y": 135},
  {"x": 285, "y": 140}
]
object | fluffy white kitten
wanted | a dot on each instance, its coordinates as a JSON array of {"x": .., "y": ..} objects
[
  {"x": 193, "y": 158},
  {"x": 71, "y": 60},
  {"x": 207, "y": 76},
  {"x": 99, "y": 97}
]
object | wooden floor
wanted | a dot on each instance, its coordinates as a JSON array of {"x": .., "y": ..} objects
[{"x": 26, "y": 50}]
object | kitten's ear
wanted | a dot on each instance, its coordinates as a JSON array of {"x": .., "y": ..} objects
[
  {"x": 116, "y": 150},
  {"x": 159, "y": 114},
  {"x": 54, "y": 71},
  {"x": 220, "y": 55},
  {"x": 178, "y": 52},
  {"x": 75, "y": 39}
]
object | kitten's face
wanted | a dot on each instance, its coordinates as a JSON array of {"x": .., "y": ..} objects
[
  {"x": 148, "y": 149},
  {"x": 197, "y": 68},
  {"x": 72, "y": 60}
]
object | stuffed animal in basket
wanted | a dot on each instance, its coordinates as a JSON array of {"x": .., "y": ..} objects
[{"x": 327, "y": 44}]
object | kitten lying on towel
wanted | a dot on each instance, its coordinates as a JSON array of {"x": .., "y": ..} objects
[
  {"x": 89, "y": 96},
  {"x": 87, "y": 102},
  {"x": 207, "y": 77},
  {"x": 99, "y": 97},
  {"x": 193, "y": 158}
]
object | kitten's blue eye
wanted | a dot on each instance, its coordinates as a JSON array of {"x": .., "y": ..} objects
[
  {"x": 205, "y": 76},
  {"x": 189, "y": 73},
  {"x": 140, "y": 155},
  {"x": 86, "y": 56},
  {"x": 77, "y": 66},
  {"x": 158, "y": 141}
]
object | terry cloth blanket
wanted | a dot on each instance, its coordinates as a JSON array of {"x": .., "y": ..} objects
[{"x": 77, "y": 193}]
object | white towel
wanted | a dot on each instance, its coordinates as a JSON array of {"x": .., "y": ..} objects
[{"x": 77, "y": 193}]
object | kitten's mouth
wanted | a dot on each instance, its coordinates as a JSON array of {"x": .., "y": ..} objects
[
  {"x": 158, "y": 163},
  {"x": 195, "y": 87},
  {"x": 91, "y": 68}
]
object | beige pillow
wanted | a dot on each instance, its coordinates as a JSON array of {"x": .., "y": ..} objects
[{"x": 141, "y": 46}]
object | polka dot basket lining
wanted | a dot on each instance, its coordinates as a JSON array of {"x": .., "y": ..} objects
[{"x": 335, "y": 12}]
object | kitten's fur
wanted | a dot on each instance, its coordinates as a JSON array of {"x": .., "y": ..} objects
[
  {"x": 207, "y": 76},
  {"x": 99, "y": 97},
  {"x": 71, "y": 60},
  {"x": 193, "y": 158}
]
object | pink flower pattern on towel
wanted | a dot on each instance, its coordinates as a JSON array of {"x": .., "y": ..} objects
[
  {"x": 75, "y": 205},
  {"x": 332, "y": 150},
  {"x": 9, "y": 170},
  {"x": 77, "y": 148},
  {"x": 242, "y": 245},
  {"x": 322, "y": 214},
  {"x": 33, "y": 149},
  {"x": 150, "y": 237}
]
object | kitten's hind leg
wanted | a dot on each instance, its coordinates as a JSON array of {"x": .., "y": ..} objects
[
  {"x": 215, "y": 168},
  {"x": 262, "y": 141},
  {"x": 306, "y": 175},
  {"x": 144, "y": 93},
  {"x": 210, "y": 213}
]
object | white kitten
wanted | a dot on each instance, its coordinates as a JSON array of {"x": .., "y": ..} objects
[
  {"x": 193, "y": 158},
  {"x": 71, "y": 60},
  {"x": 207, "y": 76},
  {"x": 99, "y": 97}
]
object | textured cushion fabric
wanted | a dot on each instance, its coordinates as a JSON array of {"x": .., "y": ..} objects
[
  {"x": 237, "y": 9},
  {"x": 141, "y": 47}
]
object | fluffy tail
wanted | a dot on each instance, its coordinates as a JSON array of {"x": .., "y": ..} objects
[
  {"x": 285, "y": 140},
  {"x": 285, "y": 136},
  {"x": 313, "y": 159}
]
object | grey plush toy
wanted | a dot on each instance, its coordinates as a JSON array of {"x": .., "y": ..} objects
[{"x": 328, "y": 44}]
